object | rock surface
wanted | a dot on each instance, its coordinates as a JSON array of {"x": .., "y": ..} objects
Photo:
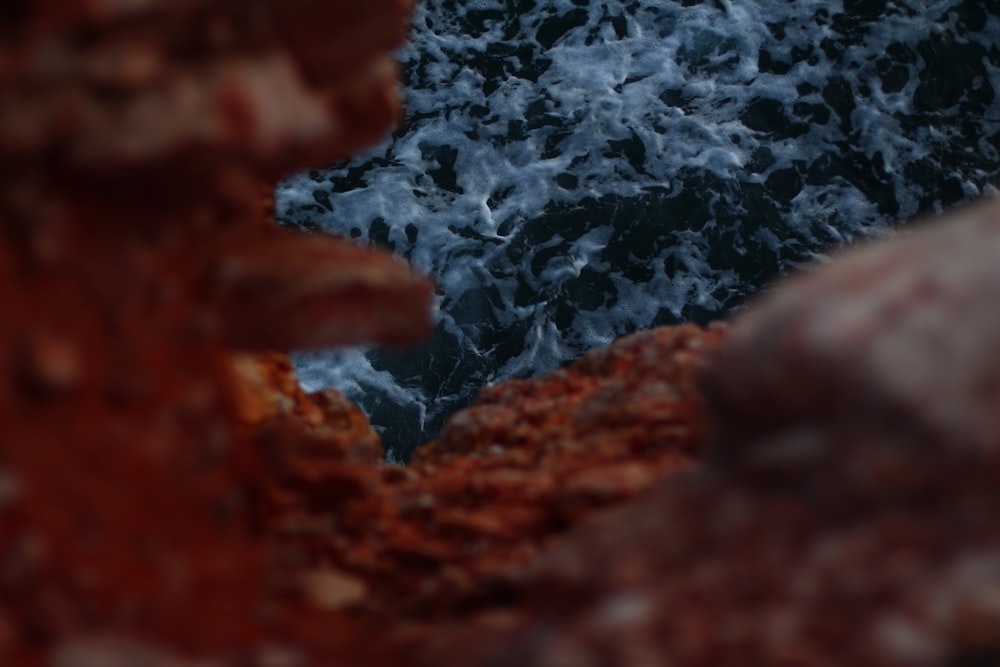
[
  {"x": 133, "y": 136},
  {"x": 181, "y": 90},
  {"x": 707, "y": 570},
  {"x": 846, "y": 515},
  {"x": 877, "y": 372},
  {"x": 814, "y": 486},
  {"x": 530, "y": 460}
]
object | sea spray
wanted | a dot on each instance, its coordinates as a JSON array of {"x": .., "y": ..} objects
[{"x": 569, "y": 172}]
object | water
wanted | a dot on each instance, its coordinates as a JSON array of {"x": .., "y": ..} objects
[{"x": 572, "y": 171}]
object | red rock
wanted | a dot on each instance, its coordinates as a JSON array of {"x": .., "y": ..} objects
[
  {"x": 168, "y": 501},
  {"x": 846, "y": 513},
  {"x": 309, "y": 291},
  {"x": 636, "y": 395},
  {"x": 132, "y": 139},
  {"x": 706, "y": 571},
  {"x": 329, "y": 40},
  {"x": 183, "y": 90},
  {"x": 508, "y": 476}
]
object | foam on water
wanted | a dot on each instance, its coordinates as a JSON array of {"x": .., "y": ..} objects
[{"x": 571, "y": 171}]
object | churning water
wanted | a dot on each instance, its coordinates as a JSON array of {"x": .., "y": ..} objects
[{"x": 570, "y": 171}]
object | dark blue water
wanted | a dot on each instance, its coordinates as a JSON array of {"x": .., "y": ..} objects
[{"x": 571, "y": 171}]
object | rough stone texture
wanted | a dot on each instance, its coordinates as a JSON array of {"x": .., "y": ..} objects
[
  {"x": 168, "y": 499},
  {"x": 133, "y": 253},
  {"x": 308, "y": 291},
  {"x": 636, "y": 395},
  {"x": 268, "y": 393},
  {"x": 848, "y": 512},
  {"x": 531, "y": 459}
]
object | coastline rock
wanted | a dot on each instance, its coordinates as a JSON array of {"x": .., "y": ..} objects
[
  {"x": 636, "y": 394},
  {"x": 169, "y": 498},
  {"x": 845, "y": 514},
  {"x": 133, "y": 137},
  {"x": 708, "y": 571},
  {"x": 181, "y": 91},
  {"x": 876, "y": 372},
  {"x": 267, "y": 392},
  {"x": 507, "y": 477},
  {"x": 310, "y": 291}
]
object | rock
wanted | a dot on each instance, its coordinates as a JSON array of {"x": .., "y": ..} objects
[
  {"x": 844, "y": 515},
  {"x": 506, "y": 478},
  {"x": 704, "y": 571},
  {"x": 265, "y": 388},
  {"x": 268, "y": 393},
  {"x": 877, "y": 369},
  {"x": 319, "y": 451},
  {"x": 636, "y": 395},
  {"x": 329, "y": 590},
  {"x": 111, "y": 652},
  {"x": 309, "y": 291},
  {"x": 135, "y": 477},
  {"x": 184, "y": 90},
  {"x": 167, "y": 498}
]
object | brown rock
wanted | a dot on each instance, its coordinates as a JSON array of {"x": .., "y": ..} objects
[
  {"x": 636, "y": 395},
  {"x": 873, "y": 366},
  {"x": 706, "y": 572},
  {"x": 308, "y": 291},
  {"x": 267, "y": 393},
  {"x": 166, "y": 501},
  {"x": 182, "y": 90},
  {"x": 319, "y": 450},
  {"x": 133, "y": 251},
  {"x": 266, "y": 388},
  {"x": 509, "y": 475},
  {"x": 849, "y": 518},
  {"x": 330, "y": 590}
]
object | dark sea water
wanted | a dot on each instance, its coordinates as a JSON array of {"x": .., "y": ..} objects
[{"x": 570, "y": 171}]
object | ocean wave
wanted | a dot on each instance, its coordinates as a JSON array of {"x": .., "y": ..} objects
[{"x": 571, "y": 172}]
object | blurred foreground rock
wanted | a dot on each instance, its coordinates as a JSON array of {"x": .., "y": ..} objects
[
  {"x": 134, "y": 257},
  {"x": 877, "y": 371}
]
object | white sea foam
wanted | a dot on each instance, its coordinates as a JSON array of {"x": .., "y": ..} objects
[{"x": 568, "y": 174}]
